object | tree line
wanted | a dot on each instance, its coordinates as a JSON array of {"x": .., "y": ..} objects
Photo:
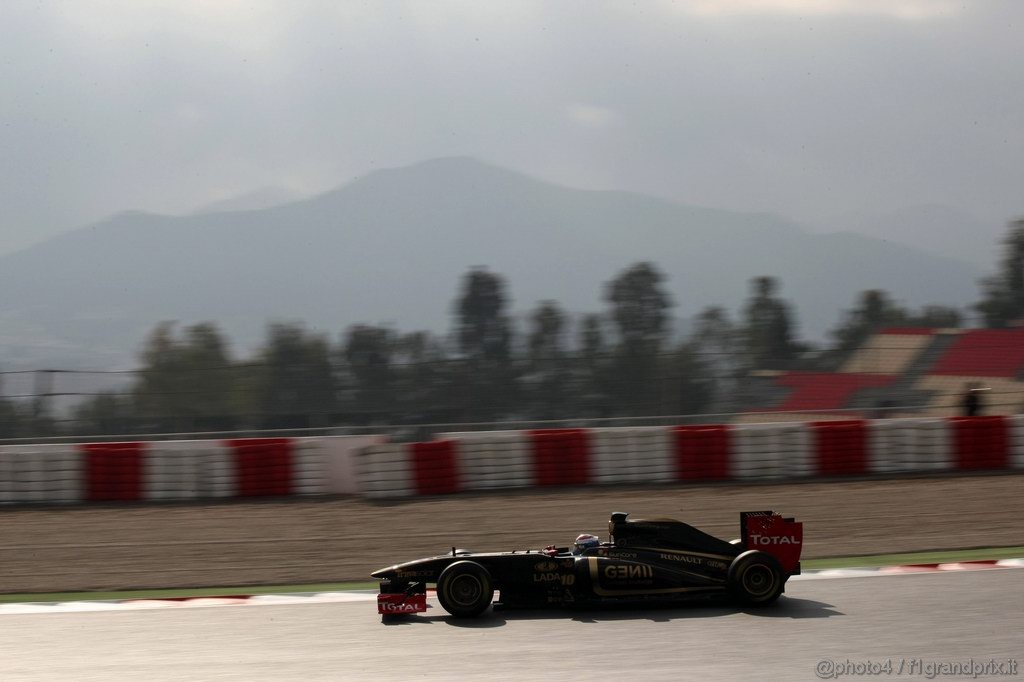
[{"x": 626, "y": 360}]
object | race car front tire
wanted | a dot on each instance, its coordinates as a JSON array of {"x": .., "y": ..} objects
[
  {"x": 465, "y": 589},
  {"x": 755, "y": 578}
]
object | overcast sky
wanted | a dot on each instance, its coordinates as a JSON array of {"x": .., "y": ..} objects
[{"x": 808, "y": 108}]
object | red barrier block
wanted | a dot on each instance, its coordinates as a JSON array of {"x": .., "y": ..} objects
[
  {"x": 113, "y": 471},
  {"x": 981, "y": 442},
  {"x": 841, "y": 447},
  {"x": 263, "y": 466},
  {"x": 435, "y": 468},
  {"x": 702, "y": 452},
  {"x": 560, "y": 457}
]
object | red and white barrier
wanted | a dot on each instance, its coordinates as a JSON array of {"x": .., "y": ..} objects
[
  {"x": 480, "y": 461},
  {"x": 745, "y": 452},
  {"x": 179, "y": 470}
]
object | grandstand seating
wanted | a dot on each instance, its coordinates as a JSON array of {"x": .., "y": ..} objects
[
  {"x": 918, "y": 372},
  {"x": 984, "y": 353},
  {"x": 825, "y": 390},
  {"x": 1004, "y": 396},
  {"x": 889, "y": 352}
]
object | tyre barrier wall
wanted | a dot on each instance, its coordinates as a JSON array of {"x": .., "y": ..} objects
[
  {"x": 180, "y": 470},
  {"x": 480, "y": 461}
]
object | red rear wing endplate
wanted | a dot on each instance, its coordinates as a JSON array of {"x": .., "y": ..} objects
[{"x": 769, "y": 532}]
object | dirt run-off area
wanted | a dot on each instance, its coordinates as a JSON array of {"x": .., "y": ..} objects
[{"x": 330, "y": 540}]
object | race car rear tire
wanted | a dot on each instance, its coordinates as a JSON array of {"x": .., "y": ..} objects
[
  {"x": 755, "y": 578},
  {"x": 465, "y": 589}
]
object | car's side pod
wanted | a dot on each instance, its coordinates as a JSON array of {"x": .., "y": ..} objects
[{"x": 769, "y": 532}]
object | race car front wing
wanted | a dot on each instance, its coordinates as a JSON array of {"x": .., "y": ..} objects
[
  {"x": 413, "y": 599},
  {"x": 401, "y": 603}
]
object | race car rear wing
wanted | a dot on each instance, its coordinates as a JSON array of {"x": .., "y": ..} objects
[{"x": 782, "y": 537}]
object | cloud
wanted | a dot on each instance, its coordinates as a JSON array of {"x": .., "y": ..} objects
[
  {"x": 231, "y": 24},
  {"x": 590, "y": 116}
]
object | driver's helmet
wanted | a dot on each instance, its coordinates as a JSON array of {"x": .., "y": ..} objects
[{"x": 585, "y": 542}]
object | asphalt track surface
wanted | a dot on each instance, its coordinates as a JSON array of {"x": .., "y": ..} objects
[{"x": 936, "y": 617}]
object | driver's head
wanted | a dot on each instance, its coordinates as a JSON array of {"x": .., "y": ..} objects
[{"x": 586, "y": 541}]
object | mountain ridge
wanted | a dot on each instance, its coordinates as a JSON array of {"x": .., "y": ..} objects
[{"x": 391, "y": 246}]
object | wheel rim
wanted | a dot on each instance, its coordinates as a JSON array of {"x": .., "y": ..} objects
[
  {"x": 758, "y": 580},
  {"x": 465, "y": 590}
]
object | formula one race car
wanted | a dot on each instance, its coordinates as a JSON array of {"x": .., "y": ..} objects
[{"x": 645, "y": 560}]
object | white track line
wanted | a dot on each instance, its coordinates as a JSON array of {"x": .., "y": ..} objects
[{"x": 371, "y": 596}]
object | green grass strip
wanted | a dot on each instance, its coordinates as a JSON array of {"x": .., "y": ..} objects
[{"x": 869, "y": 561}]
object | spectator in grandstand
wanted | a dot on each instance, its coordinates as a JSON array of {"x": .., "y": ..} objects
[{"x": 972, "y": 402}]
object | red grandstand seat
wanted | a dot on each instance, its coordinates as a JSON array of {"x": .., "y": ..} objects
[
  {"x": 984, "y": 353},
  {"x": 825, "y": 391}
]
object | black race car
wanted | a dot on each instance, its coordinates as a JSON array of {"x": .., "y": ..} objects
[{"x": 645, "y": 560}]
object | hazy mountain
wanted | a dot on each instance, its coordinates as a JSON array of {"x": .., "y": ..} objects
[
  {"x": 264, "y": 197},
  {"x": 941, "y": 230},
  {"x": 392, "y": 247}
]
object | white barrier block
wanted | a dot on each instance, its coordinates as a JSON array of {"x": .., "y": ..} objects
[
  {"x": 51, "y": 473},
  {"x": 385, "y": 471},
  {"x": 771, "y": 451},
  {"x": 217, "y": 477},
  {"x": 491, "y": 462},
  {"x": 798, "y": 455},
  {"x": 1016, "y": 427},
  {"x": 68, "y": 475},
  {"x": 756, "y": 452},
  {"x": 658, "y": 461},
  {"x": 932, "y": 446},
  {"x": 32, "y": 474},
  {"x": 310, "y": 466},
  {"x": 610, "y": 452},
  {"x": 172, "y": 470},
  {"x": 8, "y": 467},
  {"x": 892, "y": 444},
  {"x": 340, "y": 452},
  {"x": 631, "y": 455}
]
